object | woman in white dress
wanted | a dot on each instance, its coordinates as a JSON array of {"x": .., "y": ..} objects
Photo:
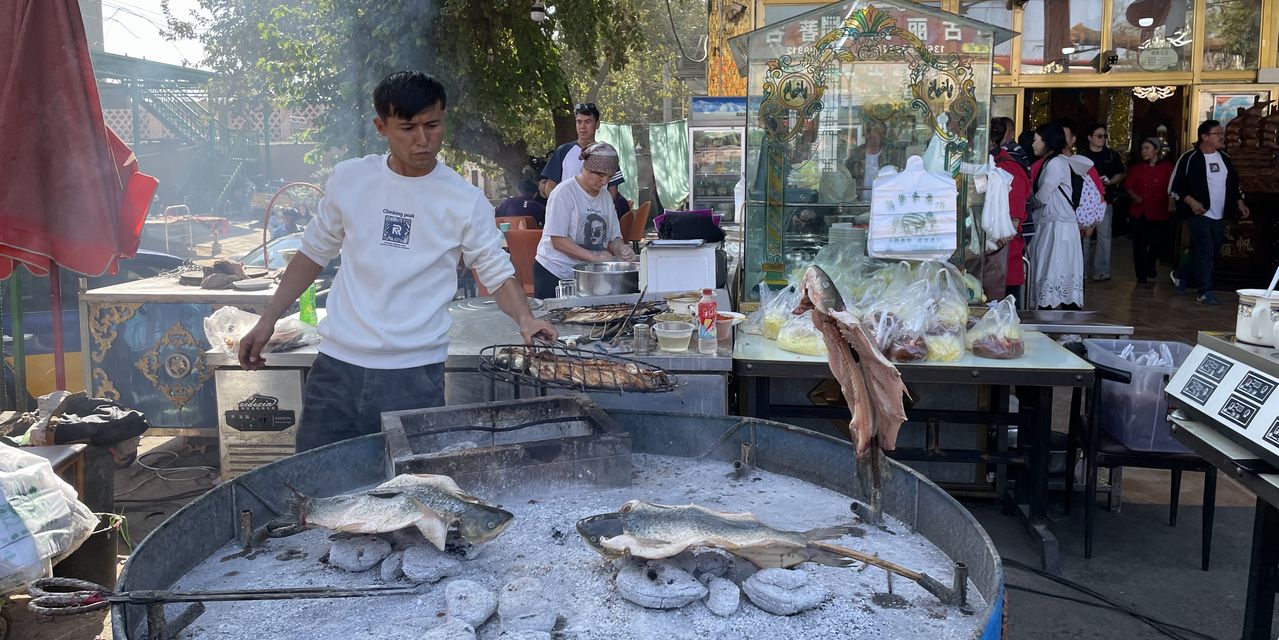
[{"x": 1056, "y": 254}]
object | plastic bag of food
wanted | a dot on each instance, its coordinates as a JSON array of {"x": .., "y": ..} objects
[
  {"x": 948, "y": 308},
  {"x": 779, "y": 311},
  {"x": 41, "y": 520},
  {"x": 798, "y": 335},
  {"x": 227, "y": 325},
  {"x": 754, "y": 324},
  {"x": 998, "y": 334},
  {"x": 897, "y": 324}
]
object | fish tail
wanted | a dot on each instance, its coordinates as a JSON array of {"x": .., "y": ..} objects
[
  {"x": 828, "y": 558},
  {"x": 298, "y": 505},
  {"x": 827, "y": 533}
]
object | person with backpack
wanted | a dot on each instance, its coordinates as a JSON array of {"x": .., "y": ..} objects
[
  {"x": 1056, "y": 255},
  {"x": 1205, "y": 186}
]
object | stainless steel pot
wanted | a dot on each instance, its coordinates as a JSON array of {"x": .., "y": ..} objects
[{"x": 606, "y": 278}]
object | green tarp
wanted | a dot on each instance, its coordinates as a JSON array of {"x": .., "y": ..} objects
[{"x": 670, "y": 161}]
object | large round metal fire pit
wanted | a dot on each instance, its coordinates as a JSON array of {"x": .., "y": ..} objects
[{"x": 801, "y": 474}]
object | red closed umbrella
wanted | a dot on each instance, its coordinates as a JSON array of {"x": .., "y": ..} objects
[{"x": 71, "y": 195}]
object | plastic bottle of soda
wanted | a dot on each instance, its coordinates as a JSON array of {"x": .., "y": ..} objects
[{"x": 707, "y": 310}]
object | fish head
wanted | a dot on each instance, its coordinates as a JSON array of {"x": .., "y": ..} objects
[
  {"x": 820, "y": 290},
  {"x": 481, "y": 523},
  {"x": 599, "y": 528}
]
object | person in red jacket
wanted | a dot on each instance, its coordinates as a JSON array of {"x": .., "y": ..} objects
[
  {"x": 1151, "y": 225},
  {"x": 1018, "y": 195}
]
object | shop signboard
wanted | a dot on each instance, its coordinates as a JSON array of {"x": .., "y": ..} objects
[{"x": 1158, "y": 58}]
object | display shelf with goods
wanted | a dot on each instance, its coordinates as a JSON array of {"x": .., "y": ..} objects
[
  {"x": 827, "y": 108},
  {"x": 717, "y": 168}
]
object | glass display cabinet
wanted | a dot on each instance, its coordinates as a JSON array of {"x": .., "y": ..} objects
[{"x": 839, "y": 92}]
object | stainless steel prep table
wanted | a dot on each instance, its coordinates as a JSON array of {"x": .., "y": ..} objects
[
  {"x": 1227, "y": 398},
  {"x": 1045, "y": 365},
  {"x": 479, "y": 323}
]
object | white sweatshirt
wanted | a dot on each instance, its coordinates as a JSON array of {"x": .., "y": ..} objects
[{"x": 400, "y": 239}]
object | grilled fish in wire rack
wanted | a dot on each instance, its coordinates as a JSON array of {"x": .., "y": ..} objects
[
  {"x": 570, "y": 368},
  {"x": 604, "y": 313}
]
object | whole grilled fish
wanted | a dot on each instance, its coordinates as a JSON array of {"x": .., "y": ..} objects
[
  {"x": 431, "y": 503},
  {"x": 653, "y": 531}
]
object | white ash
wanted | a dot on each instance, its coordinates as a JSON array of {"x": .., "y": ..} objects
[
  {"x": 579, "y": 583},
  {"x": 723, "y": 598},
  {"x": 469, "y": 601},
  {"x": 392, "y": 567},
  {"x": 523, "y": 605},
  {"x": 360, "y": 553},
  {"x": 451, "y": 629},
  {"x": 659, "y": 585},
  {"x": 783, "y": 592},
  {"x": 425, "y": 563}
]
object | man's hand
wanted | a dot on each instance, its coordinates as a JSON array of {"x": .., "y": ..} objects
[
  {"x": 533, "y": 327},
  {"x": 1244, "y": 212},
  {"x": 251, "y": 344},
  {"x": 1195, "y": 207},
  {"x": 1137, "y": 199}
]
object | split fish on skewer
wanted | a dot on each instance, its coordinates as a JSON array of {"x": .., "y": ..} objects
[
  {"x": 871, "y": 384},
  {"x": 433, "y": 504},
  {"x": 654, "y": 531}
]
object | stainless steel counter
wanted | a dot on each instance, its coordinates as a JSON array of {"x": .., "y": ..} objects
[{"x": 1083, "y": 323}]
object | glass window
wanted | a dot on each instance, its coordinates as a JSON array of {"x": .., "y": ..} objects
[
  {"x": 1233, "y": 34},
  {"x": 994, "y": 12},
  {"x": 1060, "y": 36},
  {"x": 1152, "y": 35}
]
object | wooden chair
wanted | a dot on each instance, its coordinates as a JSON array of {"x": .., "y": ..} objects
[
  {"x": 635, "y": 231},
  {"x": 518, "y": 222}
]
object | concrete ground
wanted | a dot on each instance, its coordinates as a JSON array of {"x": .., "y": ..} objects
[{"x": 1138, "y": 559}]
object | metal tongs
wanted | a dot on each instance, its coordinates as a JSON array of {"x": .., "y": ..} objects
[{"x": 622, "y": 327}]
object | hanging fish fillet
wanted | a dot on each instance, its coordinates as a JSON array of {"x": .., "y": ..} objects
[{"x": 871, "y": 384}]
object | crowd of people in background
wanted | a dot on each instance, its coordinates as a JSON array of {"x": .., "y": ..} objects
[{"x": 1071, "y": 244}]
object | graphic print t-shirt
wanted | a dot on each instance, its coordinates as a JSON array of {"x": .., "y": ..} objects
[
  {"x": 1216, "y": 186},
  {"x": 590, "y": 222}
]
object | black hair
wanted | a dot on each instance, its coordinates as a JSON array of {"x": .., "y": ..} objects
[
  {"x": 528, "y": 187},
  {"x": 587, "y": 109},
  {"x": 1054, "y": 142},
  {"x": 1053, "y": 136},
  {"x": 1026, "y": 140},
  {"x": 405, "y": 94},
  {"x": 289, "y": 211},
  {"x": 998, "y": 129},
  {"x": 1066, "y": 123},
  {"x": 1205, "y": 127},
  {"x": 1092, "y": 128}
]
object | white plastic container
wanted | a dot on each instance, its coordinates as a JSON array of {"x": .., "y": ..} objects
[
  {"x": 1136, "y": 414},
  {"x": 665, "y": 269}
]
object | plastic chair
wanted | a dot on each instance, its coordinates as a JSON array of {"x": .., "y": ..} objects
[
  {"x": 517, "y": 222},
  {"x": 1101, "y": 450},
  {"x": 522, "y": 244},
  {"x": 635, "y": 231}
]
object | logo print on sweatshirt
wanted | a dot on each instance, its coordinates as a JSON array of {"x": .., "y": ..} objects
[
  {"x": 1214, "y": 167},
  {"x": 395, "y": 231}
]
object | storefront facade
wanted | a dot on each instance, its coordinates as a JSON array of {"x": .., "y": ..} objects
[{"x": 1136, "y": 65}]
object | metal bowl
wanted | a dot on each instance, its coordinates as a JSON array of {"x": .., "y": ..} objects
[{"x": 606, "y": 278}]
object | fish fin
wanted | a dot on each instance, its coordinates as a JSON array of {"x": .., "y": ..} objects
[
  {"x": 444, "y": 482},
  {"x": 383, "y": 493},
  {"x": 298, "y": 506},
  {"x": 827, "y": 558},
  {"x": 435, "y": 530},
  {"x": 774, "y": 556},
  {"x": 826, "y": 533}
]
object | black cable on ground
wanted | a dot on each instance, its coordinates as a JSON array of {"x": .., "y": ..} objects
[
  {"x": 1100, "y": 605},
  {"x": 1164, "y": 628},
  {"x": 181, "y": 496}
]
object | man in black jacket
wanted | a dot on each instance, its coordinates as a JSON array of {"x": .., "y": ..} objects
[{"x": 1206, "y": 188}]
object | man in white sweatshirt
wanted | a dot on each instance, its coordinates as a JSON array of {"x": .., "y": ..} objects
[{"x": 400, "y": 221}]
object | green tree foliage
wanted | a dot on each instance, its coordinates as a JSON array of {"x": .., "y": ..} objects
[
  {"x": 509, "y": 93},
  {"x": 1237, "y": 25}
]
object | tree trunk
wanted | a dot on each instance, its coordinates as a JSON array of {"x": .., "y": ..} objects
[{"x": 474, "y": 137}]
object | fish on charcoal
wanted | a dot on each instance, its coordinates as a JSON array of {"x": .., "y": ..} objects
[
  {"x": 652, "y": 531},
  {"x": 871, "y": 384},
  {"x": 433, "y": 504}
]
